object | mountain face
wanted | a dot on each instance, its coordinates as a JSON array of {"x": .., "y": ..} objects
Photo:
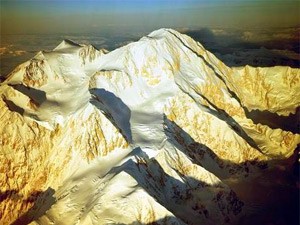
[{"x": 156, "y": 132}]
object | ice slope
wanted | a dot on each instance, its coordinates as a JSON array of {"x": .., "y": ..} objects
[{"x": 158, "y": 131}]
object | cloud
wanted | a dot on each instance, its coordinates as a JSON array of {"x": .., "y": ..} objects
[
  {"x": 256, "y": 47},
  {"x": 219, "y": 32},
  {"x": 8, "y": 50},
  {"x": 3, "y": 50},
  {"x": 247, "y": 35},
  {"x": 18, "y": 52}
]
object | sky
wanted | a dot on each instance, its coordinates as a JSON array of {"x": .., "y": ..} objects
[
  {"x": 254, "y": 32},
  {"x": 69, "y": 16}
]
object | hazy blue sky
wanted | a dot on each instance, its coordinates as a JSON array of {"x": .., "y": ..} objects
[{"x": 69, "y": 16}]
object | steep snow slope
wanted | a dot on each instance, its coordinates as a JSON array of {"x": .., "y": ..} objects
[{"x": 158, "y": 131}]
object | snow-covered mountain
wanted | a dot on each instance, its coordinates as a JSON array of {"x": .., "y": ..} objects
[{"x": 156, "y": 132}]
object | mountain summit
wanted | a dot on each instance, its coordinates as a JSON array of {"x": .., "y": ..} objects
[{"x": 156, "y": 132}]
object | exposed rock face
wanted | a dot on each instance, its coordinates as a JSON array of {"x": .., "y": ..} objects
[{"x": 156, "y": 132}]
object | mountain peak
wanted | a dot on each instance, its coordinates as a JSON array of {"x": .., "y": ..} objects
[
  {"x": 160, "y": 32},
  {"x": 65, "y": 44}
]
